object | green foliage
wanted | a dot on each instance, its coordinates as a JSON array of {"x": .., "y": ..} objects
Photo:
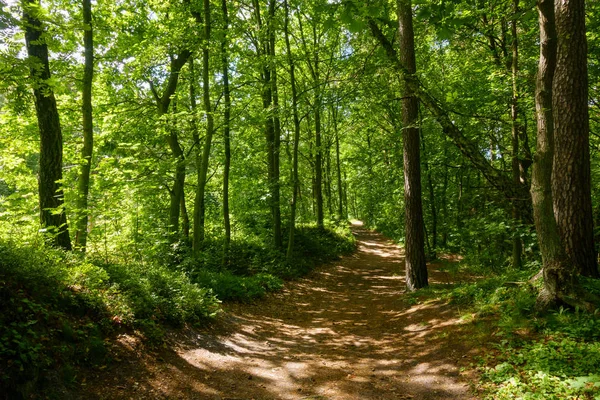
[
  {"x": 539, "y": 357},
  {"x": 56, "y": 309},
  {"x": 254, "y": 269}
]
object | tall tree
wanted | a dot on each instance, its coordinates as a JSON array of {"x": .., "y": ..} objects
[
  {"x": 226, "y": 129},
  {"x": 295, "y": 179},
  {"x": 558, "y": 270},
  {"x": 200, "y": 207},
  {"x": 275, "y": 175},
  {"x": 265, "y": 49},
  {"x": 88, "y": 128},
  {"x": 414, "y": 259},
  {"x": 313, "y": 62},
  {"x": 51, "y": 201},
  {"x": 163, "y": 102},
  {"x": 571, "y": 180}
]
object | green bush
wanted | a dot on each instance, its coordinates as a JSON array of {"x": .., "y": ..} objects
[{"x": 56, "y": 308}]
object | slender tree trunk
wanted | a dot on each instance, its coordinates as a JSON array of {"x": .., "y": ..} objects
[
  {"x": 318, "y": 144},
  {"x": 226, "y": 132},
  {"x": 272, "y": 124},
  {"x": 275, "y": 190},
  {"x": 295, "y": 179},
  {"x": 200, "y": 205},
  {"x": 517, "y": 246},
  {"x": 163, "y": 102},
  {"x": 83, "y": 185},
  {"x": 432, "y": 205},
  {"x": 338, "y": 166},
  {"x": 415, "y": 264},
  {"x": 571, "y": 181},
  {"x": 185, "y": 219},
  {"x": 51, "y": 201}
]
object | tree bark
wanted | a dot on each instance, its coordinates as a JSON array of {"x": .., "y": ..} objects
[
  {"x": 52, "y": 214},
  {"x": 88, "y": 129},
  {"x": 275, "y": 189},
  {"x": 200, "y": 205},
  {"x": 554, "y": 257},
  {"x": 517, "y": 126},
  {"x": 415, "y": 264},
  {"x": 338, "y": 165},
  {"x": 295, "y": 179},
  {"x": 163, "y": 102},
  {"x": 497, "y": 178},
  {"x": 571, "y": 181},
  {"x": 226, "y": 132}
]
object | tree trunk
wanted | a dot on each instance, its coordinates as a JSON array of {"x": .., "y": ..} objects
[
  {"x": 554, "y": 257},
  {"x": 338, "y": 166},
  {"x": 226, "y": 133},
  {"x": 467, "y": 147},
  {"x": 295, "y": 179},
  {"x": 415, "y": 265},
  {"x": 275, "y": 190},
  {"x": 51, "y": 201},
  {"x": 83, "y": 185},
  {"x": 200, "y": 205},
  {"x": 163, "y": 102},
  {"x": 517, "y": 246},
  {"x": 432, "y": 205},
  {"x": 571, "y": 181}
]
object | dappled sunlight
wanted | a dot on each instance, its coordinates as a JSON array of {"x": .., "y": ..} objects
[{"x": 346, "y": 332}]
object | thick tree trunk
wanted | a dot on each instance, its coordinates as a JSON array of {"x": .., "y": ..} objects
[
  {"x": 226, "y": 132},
  {"x": 83, "y": 185},
  {"x": 295, "y": 179},
  {"x": 554, "y": 257},
  {"x": 51, "y": 201},
  {"x": 571, "y": 181},
  {"x": 415, "y": 264},
  {"x": 200, "y": 205}
]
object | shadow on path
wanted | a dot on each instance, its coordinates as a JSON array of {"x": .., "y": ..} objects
[{"x": 345, "y": 332}]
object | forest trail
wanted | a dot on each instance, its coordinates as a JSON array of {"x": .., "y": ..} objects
[{"x": 347, "y": 331}]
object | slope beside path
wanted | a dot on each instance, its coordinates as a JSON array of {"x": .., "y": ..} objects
[{"x": 345, "y": 332}]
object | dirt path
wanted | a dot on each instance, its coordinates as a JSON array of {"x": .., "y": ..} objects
[{"x": 345, "y": 332}]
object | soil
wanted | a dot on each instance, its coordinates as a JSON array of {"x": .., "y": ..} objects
[{"x": 347, "y": 331}]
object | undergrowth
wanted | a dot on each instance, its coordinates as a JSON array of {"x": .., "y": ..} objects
[
  {"x": 58, "y": 310},
  {"x": 550, "y": 356}
]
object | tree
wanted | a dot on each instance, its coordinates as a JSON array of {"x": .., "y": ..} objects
[
  {"x": 51, "y": 201},
  {"x": 226, "y": 130},
  {"x": 571, "y": 180},
  {"x": 200, "y": 207},
  {"x": 88, "y": 128},
  {"x": 295, "y": 178},
  {"x": 414, "y": 259}
]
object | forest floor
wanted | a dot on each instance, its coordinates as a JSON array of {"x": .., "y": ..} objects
[{"x": 346, "y": 331}]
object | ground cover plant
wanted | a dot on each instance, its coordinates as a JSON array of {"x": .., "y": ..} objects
[{"x": 158, "y": 157}]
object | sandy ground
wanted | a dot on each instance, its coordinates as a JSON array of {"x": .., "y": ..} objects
[{"x": 347, "y": 331}]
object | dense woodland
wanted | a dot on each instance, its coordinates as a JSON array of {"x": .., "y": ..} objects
[{"x": 157, "y": 157}]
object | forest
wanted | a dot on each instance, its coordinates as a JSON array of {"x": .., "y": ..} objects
[{"x": 205, "y": 168}]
